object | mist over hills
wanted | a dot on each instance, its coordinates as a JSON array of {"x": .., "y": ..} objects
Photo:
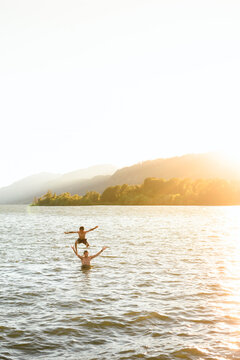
[
  {"x": 194, "y": 166},
  {"x": 24, "y": 190},
  {"x": 80, "y": 180},
  {"x": 98, "y": 178},
  {"x": 20, "y": 191}
]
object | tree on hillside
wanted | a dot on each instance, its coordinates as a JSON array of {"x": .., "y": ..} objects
[
  {"x": 111, "y": 194},
  {"x": 91, "y": 197}
]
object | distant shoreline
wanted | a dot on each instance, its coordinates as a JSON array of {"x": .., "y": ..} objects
[
  {"x": 153, "y": 191},
  {"x": 128, "y": 205}
]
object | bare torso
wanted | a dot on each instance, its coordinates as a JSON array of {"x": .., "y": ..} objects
[
  {"x": 86, "y": 260},
  {"x": 81, "y": 234}
]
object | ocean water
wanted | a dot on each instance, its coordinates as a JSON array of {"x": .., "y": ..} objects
[{"x": 168, "y": 286}]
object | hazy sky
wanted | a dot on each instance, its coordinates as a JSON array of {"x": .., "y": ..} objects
[{"x": 85, "y": 82}]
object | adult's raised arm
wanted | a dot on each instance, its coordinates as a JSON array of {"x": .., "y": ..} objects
[
  {"x": 104, "y": 248},
  {"x": 80, "y": 257}
]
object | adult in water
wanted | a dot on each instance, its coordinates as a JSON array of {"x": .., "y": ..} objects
[
  {"x": 81, "y": 235},
  {"x": 86, "y": 259}
]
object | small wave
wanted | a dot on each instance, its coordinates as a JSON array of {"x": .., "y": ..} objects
[
  {"x": 146, "y": 316},
  {"x": 231, "y": 319},
  {"x": 3, "y": 328},
  {"x": 183, "y": 335},
  {"x": 57, "y": 269},
  {"x": 104, "y": 324},
  {"x": 145, "y": 357},
  {"x": 33, "y": 294},
  {"x": 33, "y": 345},
  {"x": 98, "y": 342},
  {"x": 200, "y": 321},
  {"x": 155, "y": 334},
  {"x": 25, "y": 346},
  {"x": 203, "y": 294},
  {"x": 15, "y": 333},
  {"x": 145, "y": 284},
  {"x": 61, "y": 331},
  {"x": 3, "y": 357},
  {"x": 189, "y": 353}
]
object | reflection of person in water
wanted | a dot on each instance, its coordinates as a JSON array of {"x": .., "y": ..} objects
[
  {"x": 81, "y": 235},
  {"x": 86, "y": 259}
]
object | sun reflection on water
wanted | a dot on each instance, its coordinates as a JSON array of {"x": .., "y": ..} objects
[{"x": 228, "y": 306}]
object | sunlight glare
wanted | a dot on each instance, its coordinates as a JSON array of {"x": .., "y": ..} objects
[{"x": 232, "y": 155}]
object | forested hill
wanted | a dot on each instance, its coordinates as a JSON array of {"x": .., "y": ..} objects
[
  {"x": 154, "y": 191},
  {"x": 194, "y": 166}
]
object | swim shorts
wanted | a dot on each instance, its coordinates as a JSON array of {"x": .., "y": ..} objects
[{"x": 82, "y": 241}]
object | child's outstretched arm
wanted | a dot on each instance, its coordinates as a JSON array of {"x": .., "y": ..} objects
[
  {"x": 91, "y": 229},
  {"x": 71, "y": 232}
]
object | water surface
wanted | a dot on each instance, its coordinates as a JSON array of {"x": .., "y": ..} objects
[{"x": 167, "y": 288}]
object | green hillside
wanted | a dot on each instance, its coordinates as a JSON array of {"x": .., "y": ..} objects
[{"x": 154, "y": 191}]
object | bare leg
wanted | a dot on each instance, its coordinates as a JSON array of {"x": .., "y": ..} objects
[
  {"x": 87, "y": 244},
  {"x": 76, "y": 246}
]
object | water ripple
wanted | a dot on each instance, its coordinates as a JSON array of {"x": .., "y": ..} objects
[{"x": 166, "y": 289}]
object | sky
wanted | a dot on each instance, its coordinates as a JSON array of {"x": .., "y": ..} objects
[{"x": 86, "y": 82}]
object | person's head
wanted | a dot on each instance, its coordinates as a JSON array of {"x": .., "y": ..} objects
[
  {"x": 85, "y": 253},
  {"x": 81, "y": 228}
]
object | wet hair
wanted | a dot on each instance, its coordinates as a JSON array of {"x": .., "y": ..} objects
[{"x": 81, "y": 228}]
